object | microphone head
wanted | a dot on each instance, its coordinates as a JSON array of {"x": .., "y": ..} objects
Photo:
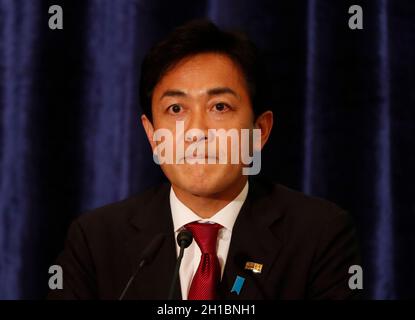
[{"x": 184, "y": 238}]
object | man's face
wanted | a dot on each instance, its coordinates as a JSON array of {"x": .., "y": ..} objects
[{"x": 205, "y": 91}]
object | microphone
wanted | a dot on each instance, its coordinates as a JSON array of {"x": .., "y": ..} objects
[
  {"x": 184, "y": 239},
  {"x": 146, "y": 257}
]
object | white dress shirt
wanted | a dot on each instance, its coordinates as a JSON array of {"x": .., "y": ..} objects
[{"x": 226, "y": 217}]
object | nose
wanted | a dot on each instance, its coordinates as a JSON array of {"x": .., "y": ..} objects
[{"x": 198, "y": 120}]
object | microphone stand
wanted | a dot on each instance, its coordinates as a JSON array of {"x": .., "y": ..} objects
[{"x": 184, "y": 239}]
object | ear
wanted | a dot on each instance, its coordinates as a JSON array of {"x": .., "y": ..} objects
[
  {"x": 149, "y": 129},
  {"x": 265, "y": 122}
]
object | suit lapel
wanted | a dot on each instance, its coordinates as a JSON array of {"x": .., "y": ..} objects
[
  {"x": 253, "y": 241},
  {"x": 153, "y": 282}
]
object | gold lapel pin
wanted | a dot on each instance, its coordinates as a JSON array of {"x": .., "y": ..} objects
[{"x": 254, "y": 267}]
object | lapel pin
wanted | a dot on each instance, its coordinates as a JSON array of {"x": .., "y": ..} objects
[
  {"x": 237, "y": 285},
  {"x": 254, "y": 267}
]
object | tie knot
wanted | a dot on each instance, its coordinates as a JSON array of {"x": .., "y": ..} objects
[{"x": 205, "y": 235}]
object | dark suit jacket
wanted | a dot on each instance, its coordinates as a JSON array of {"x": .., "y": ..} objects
[{"x": 306, "y": 246}]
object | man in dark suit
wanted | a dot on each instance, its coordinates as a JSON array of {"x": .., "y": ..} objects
[{"x": 253, "y": 239}]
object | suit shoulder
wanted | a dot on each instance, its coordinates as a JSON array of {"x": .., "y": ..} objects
[
  {"x": 296, "y": 205},
  {"x": 297, "y": 199},
  {"x": 118, "y": 213},
  {"x": 298, "y": 219}
]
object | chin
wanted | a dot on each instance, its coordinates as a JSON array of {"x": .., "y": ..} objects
[
  {"x": 203, "y": 180},
  {"x": 202, "y": 185}
]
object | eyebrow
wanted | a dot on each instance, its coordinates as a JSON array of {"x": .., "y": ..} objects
[
  {"x": 172, "y": 93},
  {"x": 222, "y": 90},
  {"x": 211, "y": 92}
]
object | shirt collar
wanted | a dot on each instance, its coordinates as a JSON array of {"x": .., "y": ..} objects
[{"x": 226, "y": 217}]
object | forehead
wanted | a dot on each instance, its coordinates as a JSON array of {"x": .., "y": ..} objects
[{"x": 203, "y": 71}]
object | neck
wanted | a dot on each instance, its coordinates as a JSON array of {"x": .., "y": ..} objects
[{"x": 206, "y": 206}]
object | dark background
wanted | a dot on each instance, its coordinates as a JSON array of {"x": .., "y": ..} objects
[{"x": 71, "y": 140}]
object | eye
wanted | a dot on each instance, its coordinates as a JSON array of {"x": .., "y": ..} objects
[
  {"x": 221, "y": 107},
  {"x": 175, "y": 108}
]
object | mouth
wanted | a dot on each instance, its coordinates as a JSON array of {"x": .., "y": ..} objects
[{"x": 199, "y": 157}]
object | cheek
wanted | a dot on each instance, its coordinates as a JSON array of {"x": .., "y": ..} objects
[{"x": 241, "y": 119}]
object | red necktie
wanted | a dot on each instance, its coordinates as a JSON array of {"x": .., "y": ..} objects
[{"x": 207, "y": 276}]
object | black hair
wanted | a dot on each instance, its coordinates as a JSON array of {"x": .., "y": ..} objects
[{"x": 200, "y": 36}]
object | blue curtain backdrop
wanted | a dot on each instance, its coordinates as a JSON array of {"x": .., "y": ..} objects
[{"x": 71, "y": 140}]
